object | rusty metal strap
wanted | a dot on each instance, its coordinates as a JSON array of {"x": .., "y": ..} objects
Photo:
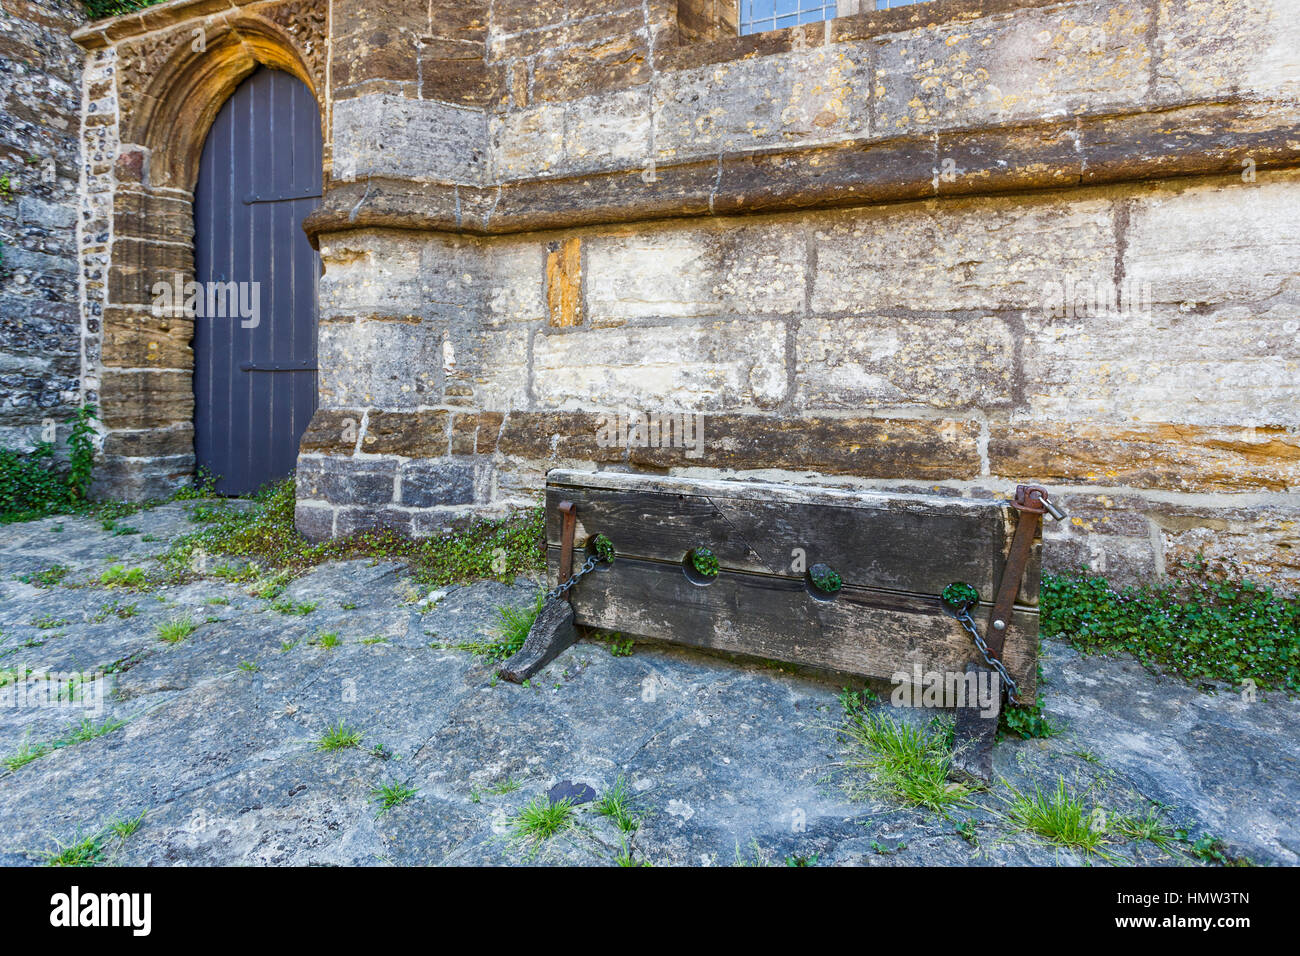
[
  {"x": 568, "y": 578},
  {"x": 1031, "y": 501}
]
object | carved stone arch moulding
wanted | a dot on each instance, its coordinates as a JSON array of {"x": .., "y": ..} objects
[
  {"x": 171, "y": 116},
  {"x": 173, "y": 77}
]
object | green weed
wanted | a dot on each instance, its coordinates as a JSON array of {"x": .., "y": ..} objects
[
  {"x": 391, "y": 795},
  {"x": 618, "y": 804},
  {"x": 339, "y": 737},
  {"x": 177, "y": 629},
  {"x": 1057, "y": 816},
  {"x": 541, "y": 820},
  {"x": 904, "y": 763}
]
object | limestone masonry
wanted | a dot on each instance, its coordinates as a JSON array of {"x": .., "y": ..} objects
[{"x": 957, "y": 245}]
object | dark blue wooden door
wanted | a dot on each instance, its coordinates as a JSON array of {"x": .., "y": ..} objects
[{"x": 255, "y": 331}]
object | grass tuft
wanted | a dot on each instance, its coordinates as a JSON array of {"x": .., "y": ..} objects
[
  {"x": 618, "y": 804},
  {"x": 75, "y": 734},
  {"x": 124, "y": 827},
  {"x": 298, "y": 609},
  {"x": 510, "y": 631},
  {"x": 1057, "y": 816},
  {"x": 906, "y": 764},
  {"x": 50, "y": 577},
  {"x": 753, "y": 856},
  {"x": 541, "y": 820},
  {"x": 89, "y": 850},
  {"x": 120, "y": 576},
  {"x": 264, "y": 537},
  {"x": 391, "y": 795},
  {"x": 82, "y": 851},
  {"x": 177, "y": 629},
  {"x": 624, "y": 856},
  {"x": 1149, "y": 828},
  {"x": 339, "y": 737},
  {"x": 508, "y": 785},
  {"x": 122, "y": 611}
]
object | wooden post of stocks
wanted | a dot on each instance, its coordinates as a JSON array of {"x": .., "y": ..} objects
[{"x": 553, "y": 631}]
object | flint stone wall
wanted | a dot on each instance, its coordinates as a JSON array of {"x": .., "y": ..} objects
[{"x": 40, "y": 124}]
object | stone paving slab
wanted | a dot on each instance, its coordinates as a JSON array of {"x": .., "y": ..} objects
[{"x": 728, "y": 762}]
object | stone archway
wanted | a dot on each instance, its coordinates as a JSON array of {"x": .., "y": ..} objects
[{"x": 171, "y": 83}]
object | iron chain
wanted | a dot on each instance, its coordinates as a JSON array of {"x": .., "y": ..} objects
[
  {"x": 588, "y": 566},
  {"x": 966, "y": 621}
]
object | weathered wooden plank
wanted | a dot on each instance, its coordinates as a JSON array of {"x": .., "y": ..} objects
[
  {"x": 917, "y": 543},
  {"x": 550, "y": 634},
  {"x": 865, "y": 632},
  {"x": 973, "y": 737}
]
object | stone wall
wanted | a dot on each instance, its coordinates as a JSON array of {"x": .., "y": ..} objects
[
  {"x": 904, "y": 344},
  {"x": 40, "y": 120},
  {"x": 957, "y": 245}
]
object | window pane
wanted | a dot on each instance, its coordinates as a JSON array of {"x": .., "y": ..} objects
[{"x": 759, "y": 15}]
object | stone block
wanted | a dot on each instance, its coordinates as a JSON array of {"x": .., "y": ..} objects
[
  {"x": 734, "y": 269},
  {"x": 146, "y": 399},
  {"x": 1206, "y": 49},
  {"x": 380, "y": 362},
  {"x": 332, "y": 431},
  {"x": 802, "y": 97},
  {"x": 556, "y": 436},
  {"x": 1219, "y": 241},
  {"x": 695, "y": 366},
  {"x": 138, "y": 265},
  {"x": 368, "y": 482},
  {"x": 171, "y": 442},
  {"x": 1087, "y": 57},
  {"x": 141, "y": 340},
  {"x": 918, "y": 449},
  {"x": 409, "y": 434},
  {"x": 939, "y": 361},
  {"x": 1190, "y": 458},
  {"x": 430, "y": 484},
  {"x": 314, "y": 522},
  {"x": 1222, "y": 364},
  {"x": 383, "y": 134},
  {"x": 965, "y": 254},
  {"x": 370, "y": 42}
]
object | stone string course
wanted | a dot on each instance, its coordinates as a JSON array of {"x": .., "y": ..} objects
[{"x": 833, "y": 242}]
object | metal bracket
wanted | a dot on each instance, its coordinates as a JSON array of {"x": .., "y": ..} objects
[
  {"x": 1032, "y": 502},
  {"x": 303, "y": 366},
  {"x": 568, "y": 526},
  {"x": 972, "y": 760},
  {"x": 252, "y": 199}
]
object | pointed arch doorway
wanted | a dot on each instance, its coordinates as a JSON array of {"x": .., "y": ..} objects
[{"x": 255, "y": 331}]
